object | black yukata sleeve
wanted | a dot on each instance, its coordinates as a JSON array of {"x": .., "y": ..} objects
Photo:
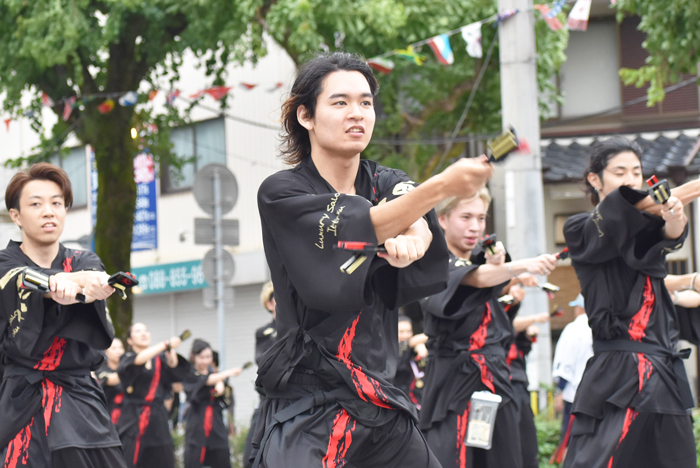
[
  {"x": 304, "y": 228},
  {"x": 457, "y": 300}
]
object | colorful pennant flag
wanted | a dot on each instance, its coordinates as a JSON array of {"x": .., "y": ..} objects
[
  {"x": 217, "y": 92},
  {"x": 553, "y": 22},
  {"x": 152, "y": 94},
  {"x": 472, "y": 36},
  {"x": 277, "y": 86},
  {"x": 129, "y": 99},
  {"x": 441, "y": 47},
  {"x": 409, "y": 54},
  {"x": 505, "y": 15},
  {"x": 247, "y": 86},
  {"x": 46, "y": 100},
  {"x": 382, "y": 65},
  {"x": 68, "y": 106},
  {"x": 556, "y": 8},
  {"x": 106, "y": 107},
  {"x": 7, "y": 124},
  {"x": 578, "y": 18},
  {"x": 172, "y": 95}
]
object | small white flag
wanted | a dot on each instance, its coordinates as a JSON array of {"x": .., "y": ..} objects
[
  {"x": 472, "y": 36},
  {"x": 578, "y": 18}
]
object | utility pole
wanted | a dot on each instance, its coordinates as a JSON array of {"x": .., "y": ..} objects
[{"x": 517, "y": 184}]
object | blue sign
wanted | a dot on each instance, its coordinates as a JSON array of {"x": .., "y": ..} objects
[
  {"x": 171, "y": 277},
  {"x": 145, "y": 235}
]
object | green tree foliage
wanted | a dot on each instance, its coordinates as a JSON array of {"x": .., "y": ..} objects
[
  {"x": 68, "y": 48},
  {"x": 673, "y": 42},
  {"x": 416, "y": 103}
]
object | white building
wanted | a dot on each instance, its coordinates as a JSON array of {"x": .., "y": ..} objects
[{"x": 172, "y": 299}]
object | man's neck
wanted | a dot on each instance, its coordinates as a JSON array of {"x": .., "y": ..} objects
[
  {"x": 463, "y": 254},
  {"x": 339, "y": 172},
  {"x": 42, "y": 255}
]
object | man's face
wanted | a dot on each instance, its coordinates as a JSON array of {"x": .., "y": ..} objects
[
  {"x": 344, "y": 119},
  {"x": 405, "y": 330},
  {"x": 42, "y": 212},
  {"x": 622, "y": 169},
  {"x": 464, "y": 225}
]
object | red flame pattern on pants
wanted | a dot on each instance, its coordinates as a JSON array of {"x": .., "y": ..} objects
[
  {"x": 18, "y": 448},
  {"x": 340, "y": 440},
  {"x": 367, "y": 388}
]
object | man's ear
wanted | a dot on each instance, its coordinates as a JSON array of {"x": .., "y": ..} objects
[
  {"x": 594, "y": 180},
  {"x": 304, "y": 118},
  {"x": 14, "y": 215},
  {"x": 442, "y": 219}
]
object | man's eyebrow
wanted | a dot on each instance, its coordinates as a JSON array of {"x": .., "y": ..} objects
[{"x": 345, "y": 95}]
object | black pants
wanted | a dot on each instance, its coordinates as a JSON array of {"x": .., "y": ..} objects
[
  {"x": 213, "y": 457},
  {"x": 625, "y": 438},
  {"x": 88, "y": 458},
  {"x": 528, "y": 431},
  {"x": 446, "y": 440},
  {"x": 248, "y": 448},
  {"x": 161, "y": 456},
  {"x": 328, "y": 437}
]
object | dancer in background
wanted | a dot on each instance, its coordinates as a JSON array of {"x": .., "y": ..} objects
[
  {"x": 206, "y": 435},
  {"x": 147, "y": 374},
  {"x": 469, "y": 333},
  {"x": 109, "y": 380}
]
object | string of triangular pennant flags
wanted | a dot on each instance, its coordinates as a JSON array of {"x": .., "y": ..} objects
[
  {"x": 130, "y": 98},
  {"x": 471, "y": 33}
]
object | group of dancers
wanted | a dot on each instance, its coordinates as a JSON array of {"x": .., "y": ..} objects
[{"x": 348, "y": 242}]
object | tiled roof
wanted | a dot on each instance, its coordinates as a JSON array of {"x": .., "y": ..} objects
[{"x": 564, "y": 160}]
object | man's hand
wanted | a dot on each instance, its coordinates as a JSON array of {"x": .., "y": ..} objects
[
  {"x": 466, "y": 176},
  {"x": 672, "y": 212},
  {"x": 93, "y": 284},
  {"x": 559, "y": 403},
  {"x": 542, "y": 265},
  {"x": 219, "y": 389},
  {"x": 63, "y": 291},
  {"x": 499, "y": 257},
  {"x": 403, "y": 250}
]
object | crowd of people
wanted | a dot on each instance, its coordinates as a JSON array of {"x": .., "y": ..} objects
[{"x": 343, "y": 380}]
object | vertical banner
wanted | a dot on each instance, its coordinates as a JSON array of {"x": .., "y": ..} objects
[
  {"x": 145, "y": 235},
  {"x": 93, "y": 193}
]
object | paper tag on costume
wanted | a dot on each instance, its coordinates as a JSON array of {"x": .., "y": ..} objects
[{"x": 482, "y": 419}]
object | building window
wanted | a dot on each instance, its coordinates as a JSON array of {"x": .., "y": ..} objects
[
  {"x": 677, "y": 267},
  {"x": 75, "y": 165},
  {"x": 200, "y": 144}
]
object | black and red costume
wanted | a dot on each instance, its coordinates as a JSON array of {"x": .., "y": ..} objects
[
  {"x": 113, "y": 393},
  {"x": 632, "y": 405},
  {"x": 327, "y": 380},
  {"x": 206, "y": 436},
  {"x": 519, "y": 348},
  {"x": 468, "y": 336},
  {"x": 143, "y": 425},
  {"x": 53, "y": 411}
]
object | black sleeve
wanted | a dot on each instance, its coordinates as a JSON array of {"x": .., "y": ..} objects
[
  {"x": 127, "y": 370},
  {"x": 458, "y": 300},
  {"x": 304, "y": 227},
  {"x": 427, "y": 276},
  {"x": 178, "y": 373},
  {"x": 616, "y": 228},
  {"x": 195, "y": 385}
]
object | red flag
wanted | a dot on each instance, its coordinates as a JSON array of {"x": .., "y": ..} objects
[
  {"x": 218, "y": 92},
  {"x": 68, "y": 108},
  {"x": 7, "y": 124},
  {"x": 198, "y": 94},
  {"x": 106, "y": 107},
  {"x": 152, "y": 94},
  {"x": 248, "y": 86},
  {"x": 553, "y": 22},
  {"x": 46, "y": 100}
]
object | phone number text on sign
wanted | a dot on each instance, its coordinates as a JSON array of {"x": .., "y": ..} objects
[{"x": 170, "y": 278}]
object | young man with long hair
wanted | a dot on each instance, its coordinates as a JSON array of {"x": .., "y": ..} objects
[{"x": 329, "y": 401}]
